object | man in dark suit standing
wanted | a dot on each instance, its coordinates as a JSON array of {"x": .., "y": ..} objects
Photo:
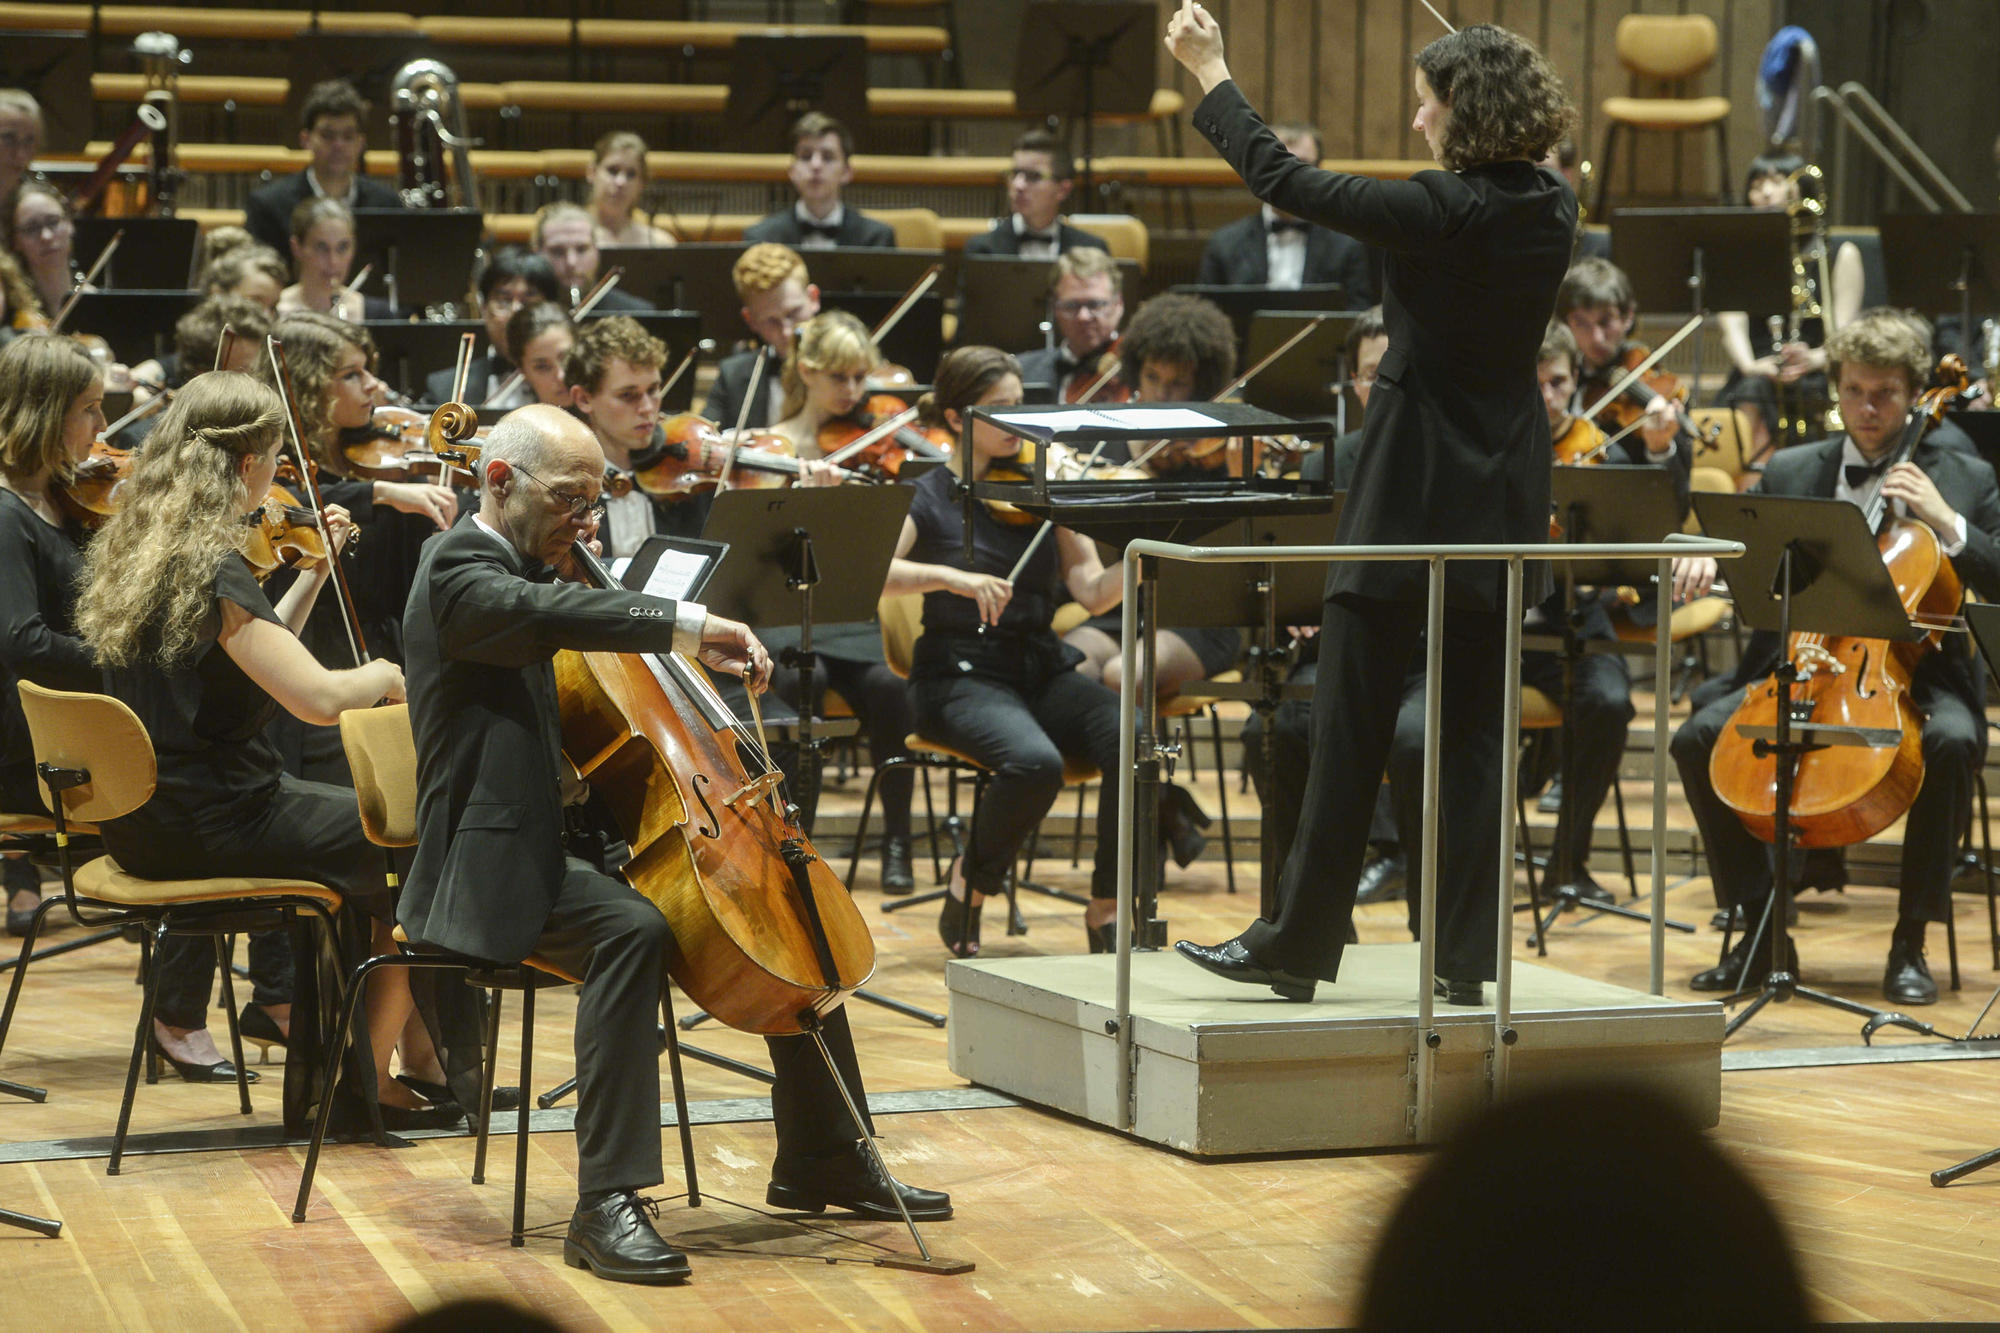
[
  {"x": 822, "y": 149},
  {"x": 778, "y": 295},
  {"x": 1878, "y": 363},
  {"x": 1086, "y": 304},
  {"x": 1042, "y": 177},
  {"x": 491, "y": 877},
  {"x": 331, "y": 134},
  {"x": 1274, "y": 249},
  {"x": 1455, "y": 449},
  {"x": 566, "y": 236}
]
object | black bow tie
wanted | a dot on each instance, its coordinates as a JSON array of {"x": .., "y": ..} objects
[
  {"x": 829, "y": 230},
  {"x": 1279, "y": 226},
  {"x": 1858, "y": 474},
  {"x": 1045, "y": 237}
]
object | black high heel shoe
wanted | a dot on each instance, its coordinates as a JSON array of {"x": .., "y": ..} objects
[
  {"x": 1103, "y": 936},
  {"x": 505, "y": 1097},
  {"x": 220, "y": 1072},
  {"x": 255, "y": 1024},
  {"x": 1181, "y": 823},
  {"x": 958, "y": 925}
]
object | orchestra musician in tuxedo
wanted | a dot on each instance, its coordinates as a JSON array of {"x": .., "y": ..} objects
[
  {"x": 1041, "y": 178},
  {"x": 822, "y": 153},
  {"x": 1086, "y": 305},
  {"x": 1879, "y": 363},
  {"x": 1273, "y": 249},
  {"x": 565, "y": 234},
  {"x": 1455, "y": 449},
  {"x": 778, "y": 295},
  {"x": 330, "y": 131},
  {"x": 493, "y": 877},
  {"x": 513, "y": 278}
]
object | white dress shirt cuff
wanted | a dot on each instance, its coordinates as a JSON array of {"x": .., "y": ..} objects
[
  {"x": 689, "y": 620},
  {"x": 1957, "y": 543}
]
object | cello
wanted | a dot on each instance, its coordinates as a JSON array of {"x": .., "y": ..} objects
[{"x": 1847, "y": 794}]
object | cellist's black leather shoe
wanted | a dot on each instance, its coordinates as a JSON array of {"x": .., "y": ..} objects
[
  {"x": 1907, "y": 980},
  {"x": 1233, "y": 962},
  {"x": 851, "y": 1179},
  {"x": 613, "y": 1239},
  {"x": 897, "y": 877},
  {"x": 1740, "y": 970}
]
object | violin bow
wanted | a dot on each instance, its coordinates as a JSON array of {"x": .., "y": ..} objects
[
  {"x": 282, "y": 374},
  {"x": 909, "y": 301},
  {"x": 1439, "y": 17},
  {"x": 1631, "y": 377},
  {"x": 687, "y": 363},
  {"x": 83, "y": 283},
  {"x": 596, "y": 293},
  {"x": 1096, "y": 386},
  {"x": 463, "y": 370},
  {"x": 1043, "y": 531},
  {"x": 742, "y": 420},
  {"x": 881, "y": 430},
  {"x": 1262, "y": 365},
  {"x": 225, "y": 343},
  {"x": 139, "y": 413}
]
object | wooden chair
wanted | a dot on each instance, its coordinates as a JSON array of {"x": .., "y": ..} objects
[
  {"x": 1541, "y": 713},
  {"x": 382, "y": 753},
  {"x": 1730, "y": 451},
  {"x": 94, "y": 756},
  {"x": 1670, "y": 49},
  {"x": 915, "y": 228},
  {"x": 1125, "y": 234}
]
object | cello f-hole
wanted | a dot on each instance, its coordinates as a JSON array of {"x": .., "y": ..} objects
[{"x": 714, "y": 829}]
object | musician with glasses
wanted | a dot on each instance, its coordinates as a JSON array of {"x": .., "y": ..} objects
[
  {"x": 1040, "y": 180},
  {"x": 1086, "y": 304},
  {"x": 330, "y": 131}
]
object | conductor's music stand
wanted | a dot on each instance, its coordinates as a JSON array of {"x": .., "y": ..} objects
[
  {"x": 773, "y": 577},
  {"x": 775, "y": 78},
  {"x": 1939, "y": 262},
  {"x": 1081, "y": 59},
  {"x": 1608, "y": 503},
  {"x": 422, "y": 256},
  {"x": 1695, "y": 261},
  {"x": 156, "y": 254},
  {"x": 1809, "y": 565}
]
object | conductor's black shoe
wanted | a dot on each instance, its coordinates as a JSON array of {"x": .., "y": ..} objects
[
  {"x": 1470, "y": 993},
  {"x": 1382, "y": 880},
  {"x": 1232, "y": 962},
  {"x": 614, "y": 1239},
  {"x": 1739, "y": 970},
  {"x": 851, "y": 1179},
  {"x": 897, "y": 877},
  {"x": 1550, "y": 802},
  {"x": 1907, "y": 980}
]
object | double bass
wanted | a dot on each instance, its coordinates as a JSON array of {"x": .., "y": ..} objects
[{"x": 1846, "y": 794}]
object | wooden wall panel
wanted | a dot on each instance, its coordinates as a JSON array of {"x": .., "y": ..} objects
[{"x": 1345, "y": 65}]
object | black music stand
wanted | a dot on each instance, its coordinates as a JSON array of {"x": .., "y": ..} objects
[
  {"x": 1004, "y": 299},
  {"x": 156, "y": 254},
  {"x": 869, "y": 268},
  {"x": 409, "y": 350},
  {"x": 773, "y": 577},
  {"x": 1938, "y": 262},
  {"x": 776, "y": 78},
  {"x": 422, "y": 256},
  {"x": 1244, "y": 303},
  {"x": 1307, "y": 381},
  {"x": 1809, "y": 565},
  {"x": 55, "y": 68},
  {"x": 917, "y": 341},
  {"x": 1616, "y": 503},
  {"x": 137, "y": 324},
  {"x": 1695, "y": 261},
  {"x": 690, "y": 276},
  {"x": 1081, "y": 59}
]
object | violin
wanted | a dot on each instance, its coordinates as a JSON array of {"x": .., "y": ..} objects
[
  {"x": 870, "y": 438},
  {"x": 690, "y": 454},
  {"x": 1630, "y": 405},
  {"x": 284, "y": 534},
  {"x": 1582, "y": 443},
  {"x": 1844, "y": 794},
  {"x": 1064, "y": 464},
  {"x": 89, "y": 495},
  {"x": 1100, "y": 379}
]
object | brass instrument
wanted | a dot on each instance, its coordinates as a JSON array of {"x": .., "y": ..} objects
[
  {"x": 1990, "y": 338},
  {"x": 428, "y": 118},
  {"x": 1812, "y": 298},
  {"x": 160, "y": 57}
]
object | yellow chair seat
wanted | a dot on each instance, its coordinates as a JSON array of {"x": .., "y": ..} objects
[
  {"x": 1667, "y": 113},
  {"x": 25, "y": 825},
  {"x": 1075, "y": 771},
  {"x": 1189, "y": 701},
  {"x": 1696, "y": 617},
  {"x": 1538, "y": 711},
  {"x": 104, "y": 881}
]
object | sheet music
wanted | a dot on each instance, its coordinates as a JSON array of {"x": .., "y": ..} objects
[
  {"x": 675, "y": 574},
  {"x": 1118, "y": 418}
]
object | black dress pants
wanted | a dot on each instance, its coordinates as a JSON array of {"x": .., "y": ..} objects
[
  {"x": 602, "y": 930},
  {"x": 1365, "y": 654},
  {"x": 1741, "y": 863},
  {"x": 881, "y": 702},
  {"x": 1598, "y": 715}
]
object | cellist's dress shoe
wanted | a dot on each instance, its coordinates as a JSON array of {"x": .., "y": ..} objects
[
  {"x": 897, "y": 877},
  {"x": 1907, "y": 980},
  {"x": 1382, "y": 880},
  {"x": 1470, "y": 994},
  {"x": 1739, "y": 970},
  {"x": 850, "y": 1178},
  {"x": 613, "y": 1239},
  {"x": 1588, "y": 890},
  {"x": 1232, "y": 962}
]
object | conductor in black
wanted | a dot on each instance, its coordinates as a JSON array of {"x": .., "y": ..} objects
[
  {"x": 1455, "y": 450},
  {"x": 492, "y": 878}
]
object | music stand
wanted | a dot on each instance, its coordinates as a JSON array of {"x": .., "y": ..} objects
[
  {"x": 1243, "y": 303},
  {"x": 1695, "y": 261},
  {"x": 691, "y": 276},
  {"x": 1306, "y": 381},
  {"x": 775, "y": 78},
  {"x": 422, "y": 256},
  {"x": 1608, "y": 503},
  {"x": 409, "y": 350},
  {"x": 917, "y": 341},
  {"x": 55, "y": 68},
  {"x": 1006, "y": 298},
  {"x": 1081, "y": 59},
  {"x": 773, "y": 577},
  {"x": 155, "y": 254},
  {"x": 869, "y": 268},
  {"x": 1809, "y": 565},
  {"x": 1938, "y": 262},
  {"x": 137, "y": 324}
]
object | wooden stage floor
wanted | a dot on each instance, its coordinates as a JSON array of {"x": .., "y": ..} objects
[{"x": 1072, "y": 1227}]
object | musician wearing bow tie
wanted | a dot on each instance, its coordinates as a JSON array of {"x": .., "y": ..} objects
[
  {"x": 822, "y": 149},
  {"x": 1086, "y": 304},
  {"x": 1274, "y": 249},
  {"x": 1042, "y": 175},
  {"x": 778, "y": 295},
  {"x": 1878, "y": 363}
]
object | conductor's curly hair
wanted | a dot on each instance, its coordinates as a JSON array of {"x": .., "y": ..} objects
[{"x": 1506, "y": 99}]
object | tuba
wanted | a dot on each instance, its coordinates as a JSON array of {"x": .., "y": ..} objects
[{"x": 428, "y": 118}]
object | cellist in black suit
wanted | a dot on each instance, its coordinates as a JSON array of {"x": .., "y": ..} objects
[
  {"x": 492, "y": 877},
  {"x": 1455, "y": 449}
]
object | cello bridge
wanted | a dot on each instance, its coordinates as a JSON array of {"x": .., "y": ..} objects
[
  {"x": 1812, "y": 657},
  {"x": 754, "y": 790}
]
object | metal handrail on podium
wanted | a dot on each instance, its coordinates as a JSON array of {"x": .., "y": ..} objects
[{"x": 1428, "y": 1037}]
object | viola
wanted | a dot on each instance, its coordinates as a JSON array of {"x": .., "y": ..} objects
[
  {"x": 1100, "y": 379},
  {"x": 867, "y": 441},
  {"x": 690, "y": 453},
  {"x": 1845, "y": 794},
  {"x": 89, "y": 495},
  {"x": 284, "y": 534}
]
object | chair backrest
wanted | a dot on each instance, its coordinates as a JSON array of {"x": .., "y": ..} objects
[
  {"x": 1732, "y": 442},
  {"x": 1125, "y": 234},
  {"x": 915, "y": 228},
  {"x": 382, "y": 753},
  {"x": 1666, "y": 46},
  {"x": 902, "y": 618},
  {"x": 100, "y": 736}
]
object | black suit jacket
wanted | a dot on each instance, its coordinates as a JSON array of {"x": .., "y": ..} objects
[
  {"x": 267, "y": 213},
  {"x": 855, "y": 229},
  {"x": 1967, "y": 484},
  {"x": 1237, "y": 256},
  {"x": 732, "y": 381},
  {"x": 1001, "y": 240},
  {"x": 481, "y": 640},
  {"x": 481, "y": 378},
  {"x": 1456, "y": 445}
]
